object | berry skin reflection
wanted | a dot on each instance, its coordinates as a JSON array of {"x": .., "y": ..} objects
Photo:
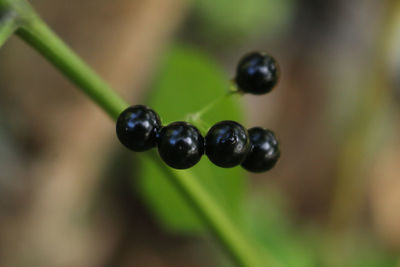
[
  {"x": 227, "y": 143},
  {"x": 257, "y": 73},
  {"x": 137, "y": 128},
  {"x": 180, "y": 145},
  {"x": 264, "y": 151}
]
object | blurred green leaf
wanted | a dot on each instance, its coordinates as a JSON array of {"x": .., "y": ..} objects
[
  {"x": 269, "y": 224},
  {"x": 358, "y": 247},
  {"x": 187, "y": 82},
  {"x": 236, "y": 19}
]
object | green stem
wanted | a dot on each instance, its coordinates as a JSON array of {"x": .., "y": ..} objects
[
  {"x": 212, "y": 215},
  {"x": 36, "y": 33},
  {"x": 211, "y": 105},
  {"x": 196, "y": 117},
  {"x": 39, "y": 36}
]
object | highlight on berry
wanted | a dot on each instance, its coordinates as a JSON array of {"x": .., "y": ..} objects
[
  {"x": 180, "y": 145},
  {"x": 138, "y": 127},
  {"x": 227, "y": 144}
]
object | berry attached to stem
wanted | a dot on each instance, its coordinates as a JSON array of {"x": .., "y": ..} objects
[
  {"x": 137, "y": 128},
  {"x": 264, "y": 150},
  {"x": 257, "y": 73},
  {"x": 180, "y": 145},
  {"x": 227, "y": 144}
]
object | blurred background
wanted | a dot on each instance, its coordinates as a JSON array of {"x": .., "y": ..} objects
[{"x": 71, "y": 195}]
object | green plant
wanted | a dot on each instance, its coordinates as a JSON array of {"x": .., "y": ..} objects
[{"x": 17, "y": 16}]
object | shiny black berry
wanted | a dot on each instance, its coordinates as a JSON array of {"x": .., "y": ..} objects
[
  {"x": 227, "y": 144},
  {"x": 257, "y": 73},
  {"x": 264, "y": 150},
  {"x": 180, "y": 145},
  {"x": 137, "y": 128}
]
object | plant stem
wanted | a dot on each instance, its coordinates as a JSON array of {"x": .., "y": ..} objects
[
  {"x": 211, "y": 105},
  {"x": 196, "y": 117},
  {"x": 36, "y": 33},
  {"x": 212, "y": 215},
  {"x": 39, "y": 36}
]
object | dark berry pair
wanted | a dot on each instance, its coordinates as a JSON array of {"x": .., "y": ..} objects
[
  {"x": 181, "y": 145},
  {"x": 229, "y": 144}
]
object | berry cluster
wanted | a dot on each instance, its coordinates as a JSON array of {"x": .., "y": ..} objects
[{"x": 227, "y": 143}]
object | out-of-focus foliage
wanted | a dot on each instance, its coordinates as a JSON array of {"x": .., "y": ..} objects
[
  {"x": 234, "y": 20},
  {"x": 187, "y": 82},
  {"x": 393, "y": 57},
  {"x": 270, "y": 226}
]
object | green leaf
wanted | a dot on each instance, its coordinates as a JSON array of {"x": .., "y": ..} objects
[
  {"x": 237, "y": 19},
  {"x": 268, "y": 222},
  {"x": 187, "y": 82}
]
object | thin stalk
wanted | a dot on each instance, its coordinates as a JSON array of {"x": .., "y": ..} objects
[
  {"x": 211, "y": 105},
  {"x": 198, "y": 114},
  {"x": 36, "y": 33},
  {"x": 196, "y": 117}
]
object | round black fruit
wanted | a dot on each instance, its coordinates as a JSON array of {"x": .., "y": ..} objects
[
  {"x": 264, "y": 151},
  {"x": 227, "y": 144},
  {"x": 180, "y": 145},
  {"x": 257, "y": 73},
  {"x": 137, "y": 128}
]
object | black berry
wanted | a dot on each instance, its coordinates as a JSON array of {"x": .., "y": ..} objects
[
  {"x": 137, "y": 128},
  {"x": 257, "y": 73},
  {"x": 264, "y": 150},
  {"x": 180, "y": 145},
  {"x": 227, "y": 144}
]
